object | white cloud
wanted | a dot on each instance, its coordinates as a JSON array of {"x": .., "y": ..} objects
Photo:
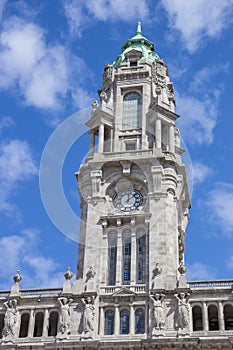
[
  {"x": 198, "y": 20},
  {"x": 199, "y": 118},
  {"x": 81, "y": 13},
  {"x": 198, "y": 105},
  {"x": 2, "y": 5},
  {"x": 220, "y": 204},
  {"x": 229, "y": 263},
  {"x": 21, "y": 251},
  {"x": 43, "y": 74},
  {"x": 6, "y": 122},
  {"x": 200, "y": 172},
  {"x": 26, "y": 62},
  {"x": 200, "y": 271},
  {"x": 16, "y": 165}
]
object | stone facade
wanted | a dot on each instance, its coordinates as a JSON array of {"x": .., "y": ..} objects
[{"x": 130, "y": 290}]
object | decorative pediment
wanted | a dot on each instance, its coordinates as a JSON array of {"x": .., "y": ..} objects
[{"x": 124, "y": 292}]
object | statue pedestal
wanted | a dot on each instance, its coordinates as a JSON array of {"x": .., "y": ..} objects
[{"x": 158, "y": 333}]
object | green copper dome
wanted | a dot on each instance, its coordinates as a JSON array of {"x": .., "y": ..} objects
[{"x": 138, "y": 43}]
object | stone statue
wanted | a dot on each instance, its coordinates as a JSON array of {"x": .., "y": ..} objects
[
  {"x": 10, "y": 318},
  {"x": 183, "y": 310},
  {"x": 88, "y": 316},
  {"x": 90, "y": 273},
  {"x": 64, "y": 319},
  {"x": 158, "y": 311},
  {"x": 157, "y": 270}
]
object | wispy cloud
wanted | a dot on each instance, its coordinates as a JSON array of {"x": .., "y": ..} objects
[
  {"x": 229, "y": 263},
  {"x": 219, "y": 204},
  {"x": 6, "y": 122},
  {"x": 200, "y": 172},
  {"x": 21, "y": 251},
  {"x": 16, "y": 166},
  {"x": 198, "y": 105},
  {"x": 2, "y": 5},
  {"x": 200, "y": 271},
  {"x": 44, "y": 74},
  {"x": 81, "y": 13},
  {"x": 198, "y": 20}
]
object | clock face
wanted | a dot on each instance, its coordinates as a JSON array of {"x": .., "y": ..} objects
[{"x": 128, "y": 200}]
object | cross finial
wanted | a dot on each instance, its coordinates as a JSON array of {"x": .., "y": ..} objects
[{"x": 139, "y": 28}]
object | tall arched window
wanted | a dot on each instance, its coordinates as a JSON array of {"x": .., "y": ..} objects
[
  {"x": 197, "y": 318},
  {"x": 131, "y": 111},
  {"x": 213, "y": 318},
  {"x": 124, "y": 322},
  {"x": 112, "y": 258},
  {"x": 139, "y": 321},
  {"x": 109, "y": 322},
  {"x": 53, "y": 321},
  {"x": 126, "y": 257},
  {"x": 1, "y": 324},
  {"x": 141, "y": 256},
  {"x": 23, "y": 332},
  {"x": 228, "y": 317},
  {"x": 39, "y": 321}
]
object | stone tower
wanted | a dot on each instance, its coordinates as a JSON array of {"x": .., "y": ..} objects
[
  {"x": 133, "y": 187},
  {"x": 130, "y": 290}
]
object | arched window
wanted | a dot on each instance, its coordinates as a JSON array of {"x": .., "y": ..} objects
[
  {"x": 228, "y": 317},
  {"x": 197, "y": 318},
  {"x": 131, "y": 111},
  {"x": 124, "y": 322},
  {"x": 126, "y": 257},
  {"x": 23, "y": 332},
  {"x": 53, "y": 321},
  {"x": 141, "y": 256},
  {"x": 1, "y": 324},
  {"x": 109, "y": 322},
  {"x": 213, "y": 318},
  {"x": 39, "y": 321},
  {"x": 112, "y": 258},
  {"x": 139, "y": 321}
]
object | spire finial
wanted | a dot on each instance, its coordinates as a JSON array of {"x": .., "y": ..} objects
[{"x": 139, "y": 28}]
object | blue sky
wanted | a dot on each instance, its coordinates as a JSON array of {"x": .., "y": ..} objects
[{"x": 52, "y": 55}]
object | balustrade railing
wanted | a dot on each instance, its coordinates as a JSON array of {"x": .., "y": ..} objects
[{"x": 211, "y": 284}]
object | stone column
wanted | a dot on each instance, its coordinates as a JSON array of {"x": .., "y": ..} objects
[
  {"x": 131, "y": 320},
  {"x": 158, "y": 134},
  {"x": 171, "y": 139},
  {"x": 45, "y": 324},
  {"x": 205, "y": 317},
  {"x": 101, "y": 139},
  {"x": 117, "y": 320},
  {"x": 92, "y": 142},
  {"x": 101, "y": 330},
  {"x": 119, "y": 259},
  {"x": 133, "y": 255},
  {"x": 221, "y": 316},
  {"x": 31, "y": 323}
]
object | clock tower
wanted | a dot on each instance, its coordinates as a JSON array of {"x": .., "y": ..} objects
[{"x": 134, "y": 193}]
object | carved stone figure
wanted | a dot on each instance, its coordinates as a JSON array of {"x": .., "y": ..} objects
[
  {"x": 157, "y": 270},
  {"x": 183, "y": 310},
  {"x": 158, "y": 311},
  {"x": 91, "y": 273},
  {"x": 94, "y": 105},
  {"x": 17, "y": 277},
  {"x": 182, "y": 268},
  {"x": 88, "y": 316},
  {"x": 10, "y": 318},
  {"x": 64, "y": 319},
  {"x": 107, "y": 78},
  {"x": 68, "y": 274}
]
